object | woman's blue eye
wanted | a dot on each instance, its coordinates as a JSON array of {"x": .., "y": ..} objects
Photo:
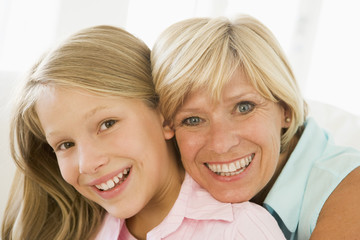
[
  {"x": 107, "y": 124},
  {"x": 245, "y": 107},
  {"x": 191, "y": 121},
  {"x": 66, "y": 145}
]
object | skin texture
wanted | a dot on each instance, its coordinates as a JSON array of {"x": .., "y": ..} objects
[
  {"x": 241, "y": 124},
  {"x": 95, "y": 138}
]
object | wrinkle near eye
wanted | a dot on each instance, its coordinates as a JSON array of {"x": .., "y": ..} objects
[
  {"x": 191, "y": 121},
  {"x": 245, "y": 107}
]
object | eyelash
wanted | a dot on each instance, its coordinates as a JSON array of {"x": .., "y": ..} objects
[
  {"x": 250, "y": 105},
  {"x": 62, "y": 146},
  {"x": 67, "y": 145},
  {"x": 186, "y": 121},
  {"x": 107, "y": 122}
]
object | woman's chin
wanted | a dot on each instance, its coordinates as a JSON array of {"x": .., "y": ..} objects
[{"x": 230, "y": 196}]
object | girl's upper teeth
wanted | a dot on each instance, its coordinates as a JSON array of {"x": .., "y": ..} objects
[
  {"x": 112, "y": 182},
  {"x": 230, "y": 167}
]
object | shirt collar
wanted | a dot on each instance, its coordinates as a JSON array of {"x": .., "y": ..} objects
[
  {"x": 295, "y": 174},
  {"x": 202, "y": 206},
  {"x": 193, "y": 202}
]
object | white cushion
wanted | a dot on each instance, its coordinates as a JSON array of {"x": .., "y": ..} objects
[{"x": 342, "y": 125}]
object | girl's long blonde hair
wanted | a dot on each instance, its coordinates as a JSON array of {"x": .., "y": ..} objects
[{"x": 104, "y": 60}]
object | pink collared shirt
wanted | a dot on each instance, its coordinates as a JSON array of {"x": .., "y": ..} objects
[{"x": 197, "y": 215}]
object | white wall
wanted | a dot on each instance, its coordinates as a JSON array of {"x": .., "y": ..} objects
[
  {"x": 7, "y": 168},
  {"x": 320, "y": 37},
  {"x": 333, "y": 68},
  {"x": 75, "y": 15}
]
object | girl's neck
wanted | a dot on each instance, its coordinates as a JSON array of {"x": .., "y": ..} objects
[
  {"x": 156, "y": 211},
  {"x": 159, "y": 206}
]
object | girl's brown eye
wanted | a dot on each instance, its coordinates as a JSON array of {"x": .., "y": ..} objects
[
  {"x": 107, "y": 124},
  {"x": 66, "y": 145}
]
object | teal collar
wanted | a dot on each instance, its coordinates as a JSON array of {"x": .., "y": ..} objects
[{"x": 286, "y": 196}]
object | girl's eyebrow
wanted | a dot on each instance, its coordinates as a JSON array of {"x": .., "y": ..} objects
[
  {"x": 87, "y": 115},
  {"x": 93, "y": 111}
]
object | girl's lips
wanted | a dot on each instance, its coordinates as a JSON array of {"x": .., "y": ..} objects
[
  {"x": 111, "y": 183},
  {"x": 108, "y": 177},
  {"x": 107, "y": 193}
]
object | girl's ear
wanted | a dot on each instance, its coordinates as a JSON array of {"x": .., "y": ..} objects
[{"x": 168, "y": 130}]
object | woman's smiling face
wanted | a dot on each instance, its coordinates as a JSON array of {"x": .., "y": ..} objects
[
  {"x": 230, "y": 147},
  {"x": 110, "y": 149}
]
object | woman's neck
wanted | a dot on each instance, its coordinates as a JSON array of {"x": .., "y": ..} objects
[
  {"x": 260, "y": 197},
  {"x": 283, "y": 158}
]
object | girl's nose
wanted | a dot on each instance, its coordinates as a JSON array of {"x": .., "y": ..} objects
[{"x": 91, "y": 158}]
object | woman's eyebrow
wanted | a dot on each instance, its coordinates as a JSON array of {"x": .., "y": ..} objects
[{"x": 235, "y": 96}]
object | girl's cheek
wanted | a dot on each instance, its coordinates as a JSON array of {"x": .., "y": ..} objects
[{"x": 67, "y": 172}]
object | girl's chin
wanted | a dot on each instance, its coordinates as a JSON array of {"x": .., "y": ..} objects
[{"x": 121, "y": 214}]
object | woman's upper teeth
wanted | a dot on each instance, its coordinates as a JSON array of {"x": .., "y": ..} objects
[{"x": 230, "y": 167}]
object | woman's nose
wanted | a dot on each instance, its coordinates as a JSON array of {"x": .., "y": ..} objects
[
  {"x": 223, "y": 135},
  {"x": 91, "y": 157}
]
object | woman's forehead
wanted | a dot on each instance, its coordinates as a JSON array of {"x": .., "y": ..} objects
[{"x": 238, "y": 86}]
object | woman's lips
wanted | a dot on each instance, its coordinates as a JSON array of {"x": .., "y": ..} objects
[{"x": 231, "y": 168}]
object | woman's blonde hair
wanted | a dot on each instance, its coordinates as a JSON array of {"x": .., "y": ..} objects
[
  {"x": 104, "y": 60},
  {"x": 205, "y": 52}
]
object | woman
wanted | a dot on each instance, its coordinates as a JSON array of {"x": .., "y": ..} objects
[
  {"x": 241, "y": 126},
  {"x": 95, "y": 159}
]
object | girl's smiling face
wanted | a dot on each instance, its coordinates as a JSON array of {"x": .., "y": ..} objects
[
  {"x": 110, "y": 149},
  {"x": 230, "y": 147}
]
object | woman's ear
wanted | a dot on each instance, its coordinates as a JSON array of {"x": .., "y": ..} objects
[{"x": 286, "y": 116}]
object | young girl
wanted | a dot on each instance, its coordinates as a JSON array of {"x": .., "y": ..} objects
[{"x": 95, "y": 157}]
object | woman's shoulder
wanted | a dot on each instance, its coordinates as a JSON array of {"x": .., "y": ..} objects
[
  {"x": 334, "y": 171},
  {"x": 317, "y": 166},
  {"x": 340, "y": 214}
]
